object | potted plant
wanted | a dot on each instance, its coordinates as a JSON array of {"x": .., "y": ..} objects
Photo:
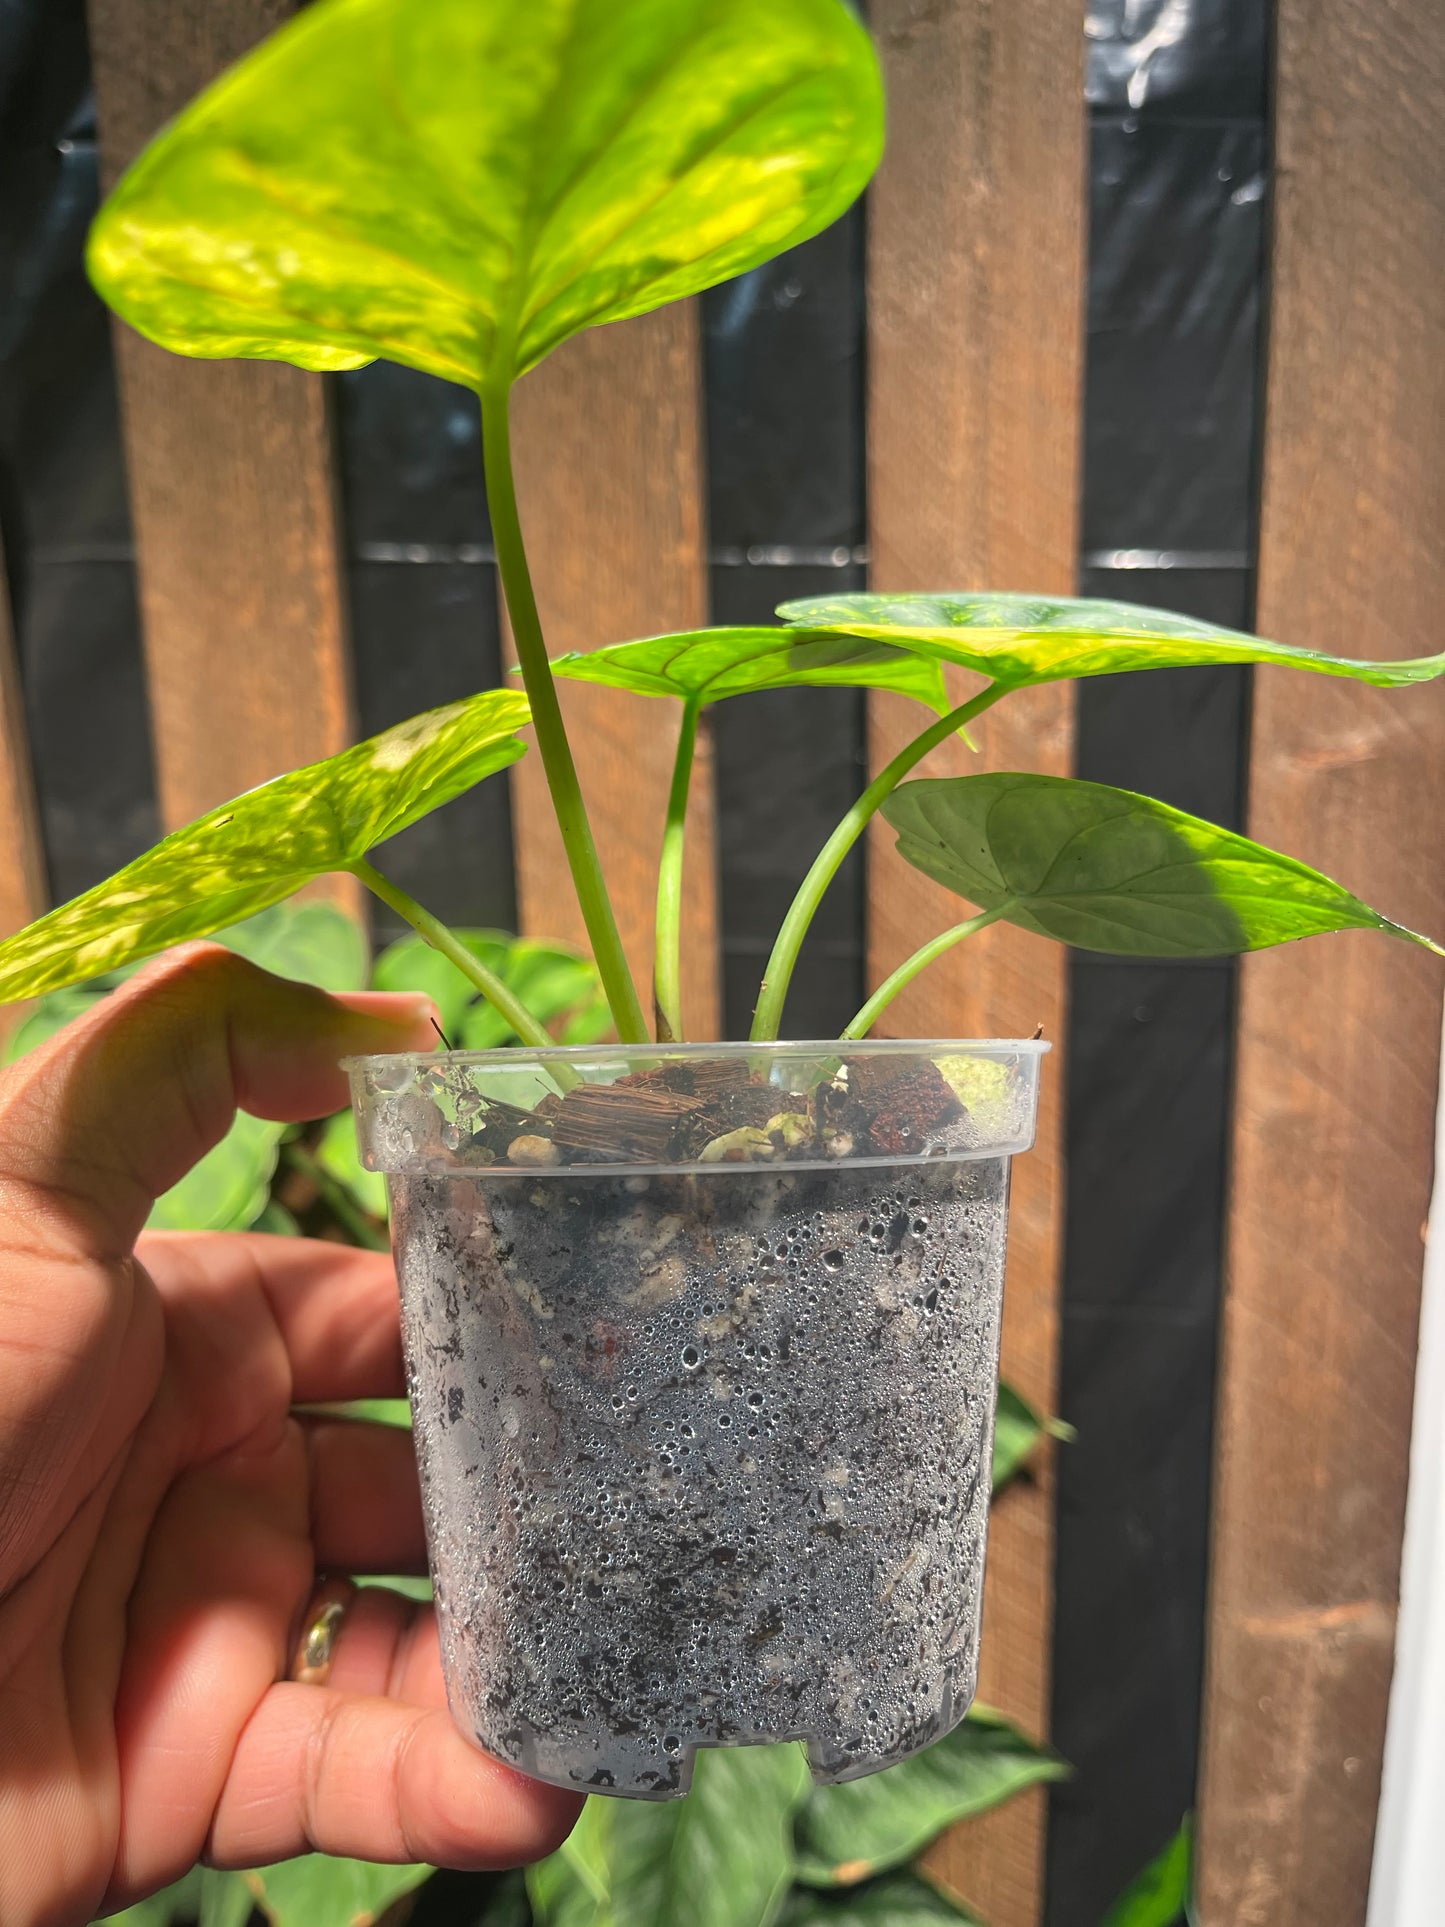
[{"x": 702, "y": 1337}]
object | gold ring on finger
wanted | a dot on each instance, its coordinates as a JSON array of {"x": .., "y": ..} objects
[{"x": 325, "y": 1616}]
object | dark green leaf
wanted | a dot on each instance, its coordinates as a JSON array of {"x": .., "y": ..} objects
[
  {"x": 460, "y": 186},
  {"x": 254, "y": 851},
  {"x": 505, "y": 1903},
  {"x": 228, "y": 1189},
  {"x": 713, "y": 663},
  {"x": 317, "y": 1891},
  {"x": 1104, "y": 869},
  {"x": 848, "y": 1833},
  {"x": 722, "y": 1857},
  {"x": 1023, "y": 639},
  {"x": 893, "y": 1900},
  {"x": 1017, "y": 1430},
  {"x": 1159, "y": 1896},
  {"x": 312, "y": 943}
]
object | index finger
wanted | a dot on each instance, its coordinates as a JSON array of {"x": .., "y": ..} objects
[{"x": 97, "y": 1123}]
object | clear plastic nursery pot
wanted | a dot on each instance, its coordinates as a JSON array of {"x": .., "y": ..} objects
[{"x": 703, "y": 1353}]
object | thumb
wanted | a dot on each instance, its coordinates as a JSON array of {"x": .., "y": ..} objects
[{"x": 96, "y": 1124}]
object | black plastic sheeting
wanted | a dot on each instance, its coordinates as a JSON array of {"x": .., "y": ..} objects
[
  {"x": 783, "y": 359},
  {"x": 63, "y": 514},
  {"x": 1178, "y": 205},
  {"x": 1178, "y": 201},
  {"x": 425, "y": 621}
]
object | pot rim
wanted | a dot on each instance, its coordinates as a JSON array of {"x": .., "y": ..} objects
[
  {"x": 410, "y": 1118},
  {"x": 610, "y": 1053}
]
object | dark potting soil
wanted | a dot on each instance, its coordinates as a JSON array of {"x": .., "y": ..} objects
[
  {"x": 715, "y": 1112},
  {"x": 706, "y": 1455}
]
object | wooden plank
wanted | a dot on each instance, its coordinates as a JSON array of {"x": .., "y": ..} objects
[
  {"x": 230, "y": 473},
  {"x": 975, "y": 291},
  {"x": 1338, "y": 1040},
  {"x": 24, "y": 890},
  {"x": 608, "y": 455}
]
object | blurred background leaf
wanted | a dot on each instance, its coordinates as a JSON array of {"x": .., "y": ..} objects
[
  {"x": 723, "y": 1857},
  {"x": 1160, "y": 1896},
  {"x": 1017, "y": 1430},
  {"x": 317, "y": 1891},
  {"x": 893, "y": 1900},
  {"x": 848, "y": 1833}
]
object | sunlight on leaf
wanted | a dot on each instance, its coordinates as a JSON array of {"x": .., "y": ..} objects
[
  {"x": 257, "y": 849},
  {"x": 714, "y": 663},
  {"x": 461, "y": 186},
  {"x": 848, "y": 1833},
  {"x": 1023, "y": 639},
  {"x": 1104, "y": 869}
]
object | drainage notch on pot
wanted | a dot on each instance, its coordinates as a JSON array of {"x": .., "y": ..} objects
[{"x": 703, "y": 1352}]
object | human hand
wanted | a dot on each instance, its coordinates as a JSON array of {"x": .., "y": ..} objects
[{"x": 164, "y": 1513}]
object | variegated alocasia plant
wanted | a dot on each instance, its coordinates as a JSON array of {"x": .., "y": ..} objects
[{"x": 461, "y": 187}]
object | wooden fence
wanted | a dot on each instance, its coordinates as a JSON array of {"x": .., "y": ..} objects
[{"x": 975, "y": 302}]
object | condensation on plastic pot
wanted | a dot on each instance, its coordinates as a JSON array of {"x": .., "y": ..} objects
[{"x": 704, "y": 1440}]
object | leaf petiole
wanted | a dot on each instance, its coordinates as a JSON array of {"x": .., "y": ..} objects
[
  {"x": 905, "y": 973},
  {"x": 667, "y": 965},
  {"x": 768, "y": 1017},
  {"x": 567, "y": 801},
  {"x": 456, "y": 952}
]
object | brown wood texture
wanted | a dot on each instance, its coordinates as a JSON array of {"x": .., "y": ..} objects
[
  {"x": 607, "y": 447},
  {"x": 975, "y": 288},
  {"x": 24, "y": 891},
  {"x": 1338, "y": 1039},
  {"x": 230, "y": 470}
]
